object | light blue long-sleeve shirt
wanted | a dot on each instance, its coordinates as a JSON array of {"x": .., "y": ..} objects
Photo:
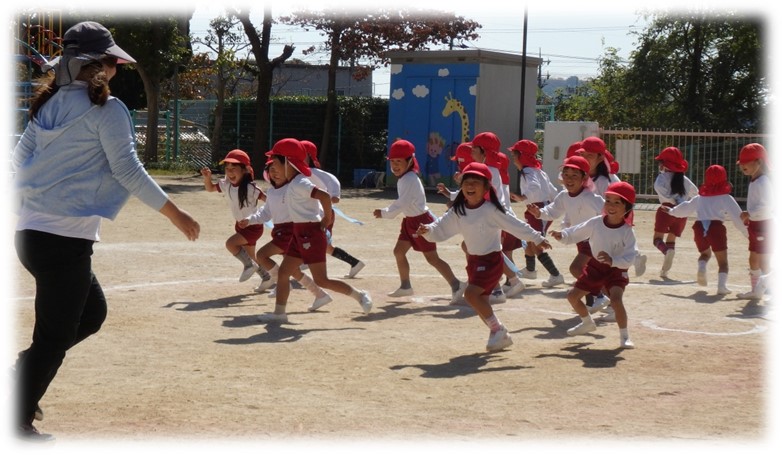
[{"x": 76, "y": 159}]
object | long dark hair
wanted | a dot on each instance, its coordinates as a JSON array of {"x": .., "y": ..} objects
[
  {"x": 242, "y": 191},
  {"x": 459, "y": 203},
  {"x": 93, "y": 73},
  {"x": 677, "y": 183},
  {"x": 601, "y": 169}
]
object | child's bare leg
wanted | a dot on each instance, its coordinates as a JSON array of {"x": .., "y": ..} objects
[
  {"x": 616, "y": 294},
  {"x": 442, "y": 267},
  {"x": 402, "y": 265},
  {"x": 574, "y": 296}
]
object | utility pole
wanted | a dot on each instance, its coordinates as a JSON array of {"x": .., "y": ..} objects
[{"x": 523, "y": 74}]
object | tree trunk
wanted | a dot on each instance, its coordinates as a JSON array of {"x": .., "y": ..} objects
[
  {"x": 151, "y": 90},
  {"x": 217, "y": 131},
  {"x": 331, "y": 97}
]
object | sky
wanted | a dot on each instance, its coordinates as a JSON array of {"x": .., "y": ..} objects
[{"x": 569, "y": 38}]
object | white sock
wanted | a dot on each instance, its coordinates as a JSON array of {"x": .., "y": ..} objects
[
  {"x": 587, "y": 319},
  {"x": 701, "y": 266},
  {"x": 493, "y": 323},
  {"x": 623, "y": 333},
  {"x": 722, "y": 280}
]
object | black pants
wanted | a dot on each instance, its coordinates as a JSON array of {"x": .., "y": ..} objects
[{"x": 69, "y": 307}]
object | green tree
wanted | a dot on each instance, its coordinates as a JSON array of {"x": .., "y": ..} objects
[
  {"x": 224, "y": 39},
  {"x": 264, "y": 69},
  {"x": 160, "y": 45},
  {"x": 690, "y": 71},
  {"x": 363, "y": 36},
  {"x": 701, "y": 70}
]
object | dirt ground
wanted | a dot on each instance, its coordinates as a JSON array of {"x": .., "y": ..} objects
[{"x": 182, "y": 356}]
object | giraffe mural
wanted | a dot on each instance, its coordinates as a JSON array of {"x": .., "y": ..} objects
[{"x": 453, "y": 105}]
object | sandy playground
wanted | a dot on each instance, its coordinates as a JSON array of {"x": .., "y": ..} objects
[{"x": 183, "y": 357}]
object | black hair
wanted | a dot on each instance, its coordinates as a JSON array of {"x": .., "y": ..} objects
[
  {"x": 247, "y": 179},
  {"x": 677, "y": 183},
  {"x": 459, "y": 203},
  {"x": 601, "y": 169}
]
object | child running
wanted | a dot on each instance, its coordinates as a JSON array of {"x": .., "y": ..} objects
[
  {"x": 330, "y": 183},
  {"x": 305, "y": 203},
  {"x": 575, "y": 205},
  {"x": 712, "y": 206},
  {"x": 243, "y": 195},
  {"x": 611, "y": 236},
  {"x": 673, "y": 188},
  {"x": 758, "y": 217},
  {"x": 481, "y": 223},
  {"x": 412, "y": 204},
  {"x": 277, "y": 212},
  {"x": 486, "y": 150},
  {"x": 535, "y": 190}
]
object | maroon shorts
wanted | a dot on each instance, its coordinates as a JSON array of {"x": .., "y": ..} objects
[
  {"x": 282, "y": 234},
  {"x": 485, "y": 271},
  {"x": 251, "y": 233},
  {"x": 308, "y": 243},
  {"x": 509, "y": 242},
  {"x": 538, "y": 225},
  {"x": 598, "y": 276},
  {"x": 407, "y": 232},
  {"x": 715, "y": 238},
  {"x": 667, "y": 224},
  {"x": 759, "y": 238},
  {"x": 584, "y": 248}
]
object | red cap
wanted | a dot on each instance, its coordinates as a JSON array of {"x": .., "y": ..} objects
[
  {"x": 715, "y": 182},
  {"x": 672, "y": 158},
  {"x": 294, "y": 153},
  {"x": 524, "y": 146},
  {"x": 488, "y": 141},
  {"x": 622, "y": 189},
  {"x": 594, "y": 144},
  {"x": 312, "y": 151},
  {"x": 402, "y": 149},
  {"x": 577, "y": 162},
  {"x": 478, "y": 169},
  {"x": 463, "y": 155},
  {"x": 573, "y": 149},
  {"x": 752, "y": 152},
  {"x": 236, "y": 156}
]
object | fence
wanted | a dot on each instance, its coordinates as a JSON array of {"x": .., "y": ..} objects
[{"x": 700, "y": 149}]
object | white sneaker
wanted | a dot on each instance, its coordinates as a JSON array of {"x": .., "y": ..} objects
[
  {"x": 528, "y": 274},
  {"x": 553, "y": 280},
  {"x": 702, "y": 278},
  {"x": 609, "y": 315},
  {"x": 668, "y": 261},
  {"x": 582, "y": 328},
  {"x": 265, "y": 284},
  {"x": 458, "y": 294},
  {"x": 319, "y": 302},
  {"x": 497, "y": 296},
  {"x": 626, "y": 343},
  {"x": 248, "y": 272},
  {"x": 355, "y": 269},
  {"x": 273, "y": 318},
  {"x": 514, "y": 289},
  {"x": 499, "y": 340},
  {"x": 723, "y": 290},
  {"x": 751, "y": 295},
  {"x": 366, "y": 301},
  {"x": 640, "y": 264},
  {"x": 401, "y": 292},
  {"x": 506, "y": 287},
  {"x": 600, "y": 303}
]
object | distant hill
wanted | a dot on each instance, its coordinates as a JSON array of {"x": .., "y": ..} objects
[{"x": 554, "y": 83}]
